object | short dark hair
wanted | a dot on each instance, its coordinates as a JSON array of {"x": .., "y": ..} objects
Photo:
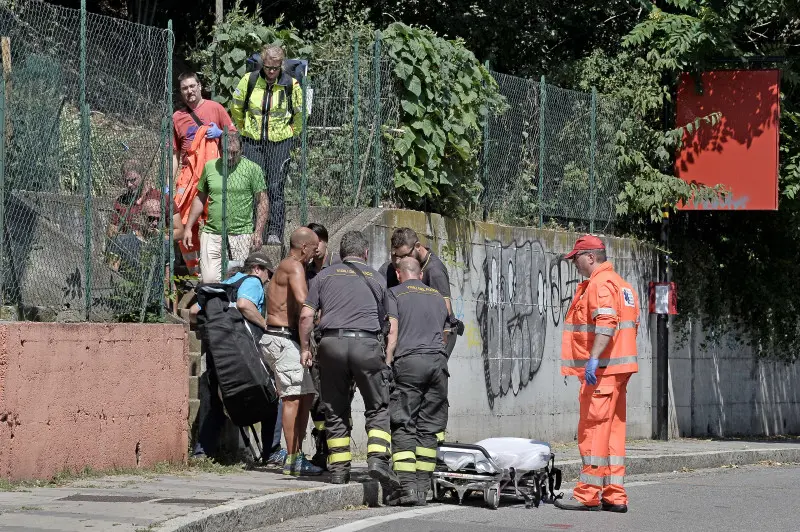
[
  {"x": 404, "y": 236},
  {"x": 187, "y": 75},
  {"x": 319, "y": 230},
  {"x": 354, "y": 244}
]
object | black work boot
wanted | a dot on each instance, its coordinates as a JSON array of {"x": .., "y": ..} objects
[
  {"x": 422, "y": 498},
  {"x": 380, "y": 471},
  {"x": 618, "y": 508},
  {"x": 572, "y": 504},
  {"x": 402, "y": 497},
  {"x": 320, "y": 458},
  {"x": 340, "y": 477}
]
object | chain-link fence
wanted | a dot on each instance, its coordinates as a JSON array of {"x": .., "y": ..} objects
[
  {"x": 86, "y": 107},
  {"x": 85, "y": 157},
  {"x": 344, "y": 161},
  {"x": 548, "y": 158}
]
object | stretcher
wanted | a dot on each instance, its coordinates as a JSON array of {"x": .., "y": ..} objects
[{"x": 512, "y": 467}]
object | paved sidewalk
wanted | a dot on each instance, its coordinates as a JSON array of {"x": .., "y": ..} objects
[{"x": 245, "y": 500}]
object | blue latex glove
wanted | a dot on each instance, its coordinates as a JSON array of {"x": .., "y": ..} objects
[
  {"x": 591, "y": 367},
  {"x": 213, "y": 132}
]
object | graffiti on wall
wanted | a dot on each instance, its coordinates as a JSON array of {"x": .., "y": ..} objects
[
  {"x": 522, "y": 290},
  {"x": 512, "y": 315}
]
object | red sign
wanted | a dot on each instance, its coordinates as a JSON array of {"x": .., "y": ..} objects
[
  {"x": 663, "y": 298},
  {"x": 740, "y": 152}
]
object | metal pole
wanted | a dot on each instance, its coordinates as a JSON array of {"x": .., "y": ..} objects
[
  {"x": 304, "y": 156},
  {"x": 163, "y": 208},
  {"x": 2, "y": 188},
  {"x": 542, "y": 106},
  {"x": 485, "y": 162},
  {"x": 592, "y": 154},
  {"x": 355, "y": 116},
  {"x": 224, "y": 236},
  {"x": 662, "y": 341},
  {"x": 377, "y": 144},
  {"x": 86, "y": 170},
  {"x": 170, "y": 170},
  {"x": 662, "y": 320},
  {"x": 218, "y": 19}
]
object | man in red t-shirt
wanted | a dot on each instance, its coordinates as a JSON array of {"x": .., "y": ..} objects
[
  {"x": 206, "y": 112},
  {"x": 128, "y": 206}
]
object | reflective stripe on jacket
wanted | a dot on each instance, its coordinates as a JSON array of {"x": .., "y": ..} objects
[
  {"x": 605, "y": 304},
  {"x": 282, "y": 122}
]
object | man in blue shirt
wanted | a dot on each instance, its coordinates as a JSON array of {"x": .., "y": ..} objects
[{"x": 250, "y": 302}]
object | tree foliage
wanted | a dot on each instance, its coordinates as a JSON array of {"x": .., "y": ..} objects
[
  {"x": 732, "y": 267},
  {"x": 446, "y": 96}
]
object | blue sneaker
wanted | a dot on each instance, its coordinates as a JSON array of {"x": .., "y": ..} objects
[
  {"x": 277, "y": 458},
  {"x": 301, "y": 467}
]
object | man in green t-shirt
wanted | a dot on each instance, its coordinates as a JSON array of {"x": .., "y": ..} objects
[{"x": 245, "y": 189}]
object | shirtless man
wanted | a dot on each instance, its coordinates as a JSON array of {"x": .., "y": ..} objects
[{"x": 286, "y": 294}]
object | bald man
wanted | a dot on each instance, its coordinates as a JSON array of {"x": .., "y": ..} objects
[{"x": 286, "y": 294}]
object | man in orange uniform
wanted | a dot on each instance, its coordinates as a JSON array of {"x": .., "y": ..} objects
[{"x": 598, "y": 346}]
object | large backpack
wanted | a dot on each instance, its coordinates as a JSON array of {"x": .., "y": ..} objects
[
  {"x": 296, "y": 68},
  {"x": 245, "y": 384}
]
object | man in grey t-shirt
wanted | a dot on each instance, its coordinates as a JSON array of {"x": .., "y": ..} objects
[
  {"x": 418, "y": 405},
  {"x": 347, "y": 296},
  {"x": 405, "y": 243}
]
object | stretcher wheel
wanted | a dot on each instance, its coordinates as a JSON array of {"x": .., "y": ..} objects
[
  {"x": 492, "y": 497},
  {"x": 441, "y": 495}
]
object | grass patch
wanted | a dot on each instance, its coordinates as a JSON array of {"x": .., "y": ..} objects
[{"x": 69, "y": 476}]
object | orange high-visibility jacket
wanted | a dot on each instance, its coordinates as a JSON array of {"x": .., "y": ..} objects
[
  {"x": 201, "y": 151},
  {"x": 607, "y": 304}
]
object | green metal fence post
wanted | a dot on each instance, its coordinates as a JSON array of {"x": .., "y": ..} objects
[
  {"x": 485, "y": 161},
  {"x": 86, "y": 170},
  {"x": 377, "y": 143},
  {"x": 542, "y": 107},
  {"x": 592, "y": 152},
  {"x": 304, "y": 156},
  {"x": 355, "y": 117},
  {"x": 224, "y": 236},
  {"x": 162, "y": 170},
  {"x": 2, "y": 188},
  {"x": 167, "y": 148}
]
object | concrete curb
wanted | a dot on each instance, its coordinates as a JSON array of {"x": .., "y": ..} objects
[
  {"x": 248, "y": 514},
  {"x": 667, "y": 463}
]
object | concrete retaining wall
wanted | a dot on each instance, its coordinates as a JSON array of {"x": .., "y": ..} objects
[
  {"x": 512, "y": 288},
  {"x": 719, "y": 388},
  {"x": 97, "y": 395}
]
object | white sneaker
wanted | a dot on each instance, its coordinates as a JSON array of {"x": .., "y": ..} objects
[{"x": 273, "y": 240}]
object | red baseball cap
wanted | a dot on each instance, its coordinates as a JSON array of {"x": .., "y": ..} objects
[{"x": 585, "y": 243}]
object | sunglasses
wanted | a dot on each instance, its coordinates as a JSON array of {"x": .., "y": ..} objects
[
  {"x": 272, "y": 69},
  {"x": 411, "y": 252}
]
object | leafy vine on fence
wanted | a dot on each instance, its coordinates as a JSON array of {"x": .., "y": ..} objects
[{"x": 446, "y": 95}]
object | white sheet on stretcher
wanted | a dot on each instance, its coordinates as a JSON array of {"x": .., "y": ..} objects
[{"x": 519, "y": 453}]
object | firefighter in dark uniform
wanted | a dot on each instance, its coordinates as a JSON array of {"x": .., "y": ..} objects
[
  {"x": 418, "y": 405},
  {"x": 351, "y": 348},
  {"x": 405, "y": 243}
]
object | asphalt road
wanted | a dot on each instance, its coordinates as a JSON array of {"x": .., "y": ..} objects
[{"x": 731, "y": 499}]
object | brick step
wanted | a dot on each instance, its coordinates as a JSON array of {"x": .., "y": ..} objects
[
  {"x": 194, "y": 365},
  {"x": 193, "y": 385},
  {"x": 194, "y": 342},
  {"x": 194, "y": 409}
]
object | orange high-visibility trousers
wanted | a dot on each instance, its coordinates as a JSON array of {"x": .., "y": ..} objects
[{"x": 601, "y": 440}]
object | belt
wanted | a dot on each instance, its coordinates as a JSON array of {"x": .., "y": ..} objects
[
  {"x": 286, "y": 332},
  {"x": 348, "y": 333}
]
